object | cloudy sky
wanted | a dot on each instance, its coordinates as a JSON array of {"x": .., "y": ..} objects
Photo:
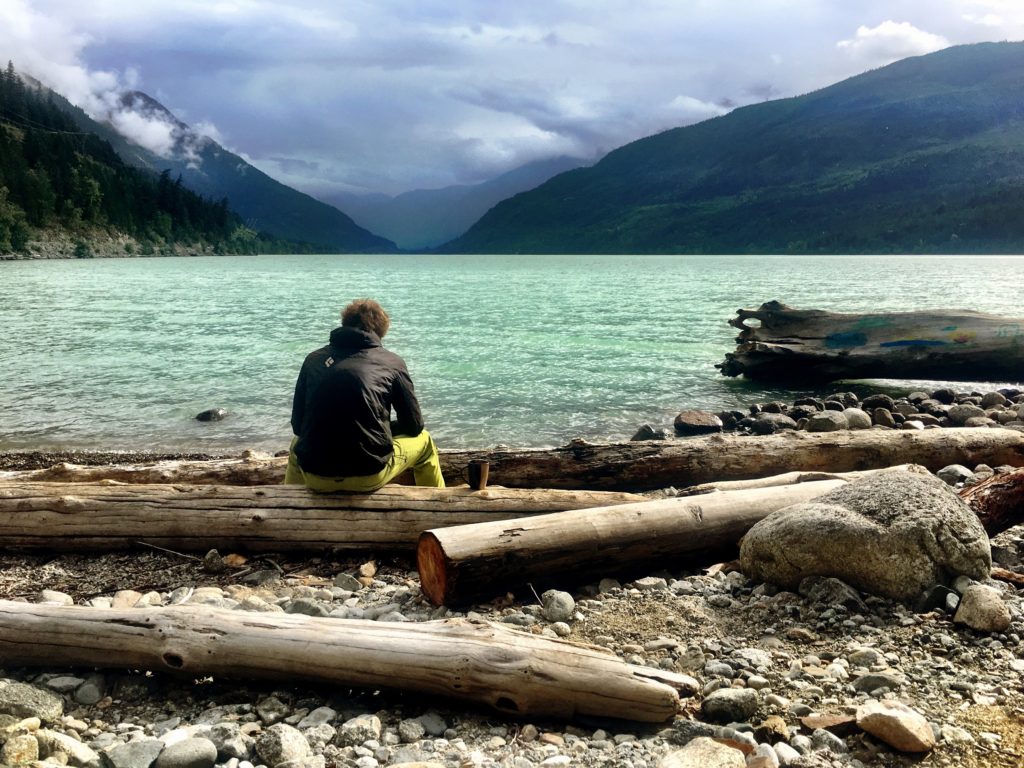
[{"x": 387, "y": 96}]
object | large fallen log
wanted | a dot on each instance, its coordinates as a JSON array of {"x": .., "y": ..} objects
[
  {"x": 512, "y": 672},
  {"x": 998, "y": 501},
  {"x": 805, "y": 345},
  {"x": 79, "y": 517},
  {"x": 460, "y": 564},
  {"x": 639, "y": 466}
]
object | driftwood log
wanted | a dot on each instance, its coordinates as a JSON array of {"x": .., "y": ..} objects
[
  {"x": 998, "y": 501},
  {"x": 813, "y": 345},
  {"x": 460, "y": 564},
  {"x": 509, "y": 671},
  {"x": 791, "y": 478},
  {"x": 638, "y": 466},
  {"x": 79, "y": 517}
]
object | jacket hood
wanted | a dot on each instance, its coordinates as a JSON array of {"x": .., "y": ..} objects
[{"x": 354, "y": 338}]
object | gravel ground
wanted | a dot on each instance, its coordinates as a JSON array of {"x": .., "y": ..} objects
[
  {"x": 789, "y": 656},
  {"x": 782, "y": 673}
]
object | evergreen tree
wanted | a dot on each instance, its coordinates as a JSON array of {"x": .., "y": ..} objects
[{"x": 52, "y": 174}]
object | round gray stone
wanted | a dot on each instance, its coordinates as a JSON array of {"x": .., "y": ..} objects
[
  {"x": 960, "y": 413},
  {"x": 22, "y": 700},
  {"x": 281, "y": 743},
  {"x": 730, "y": 705},
  {"x": 982, "y": 608},
  {"x": 140, "y": 753},
  {"x": 883, "y": 417},
  {"x": 188, "y": 753},
  {"x": 411, "y": 731},
  {"x": 954, "y": 474},
  {"x": 557, "y": 606},
  {"x": 770, "y": 423},
  {"x": 872, "y": 402},
  {"x": 827, "y": 421},
  {"x": 895, "y": 534},
  {"x": 857, "y": 419},
  {"x": 689, "y": 423},
  {"x": 703, "y": 752},
  {"x": 358, "y": 730},
  {"x": 992, "y": 399}
]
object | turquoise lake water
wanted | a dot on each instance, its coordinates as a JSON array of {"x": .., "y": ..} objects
[{"x": 521, "y": 350}]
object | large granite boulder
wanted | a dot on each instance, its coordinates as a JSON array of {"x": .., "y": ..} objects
[{"x": 895, "y": 534}]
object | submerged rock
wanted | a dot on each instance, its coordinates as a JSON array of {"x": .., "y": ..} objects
[{"x": 212, "y": 414}]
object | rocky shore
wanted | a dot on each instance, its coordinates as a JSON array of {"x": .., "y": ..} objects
[
  {"x": 61, "y": 244},
  {"x": 819, "y": 674},
  {"x": 844, "y": 410}
]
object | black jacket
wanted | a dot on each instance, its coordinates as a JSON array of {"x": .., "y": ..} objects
[{"x": 342, "y": 407}]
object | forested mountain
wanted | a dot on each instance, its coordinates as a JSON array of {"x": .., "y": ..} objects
[
  {"x": 55, "y": 176},
  {"x": 924, "y": 155},
  {"x": 426, "y": 218},
  {"x": 265, "y": 204}
]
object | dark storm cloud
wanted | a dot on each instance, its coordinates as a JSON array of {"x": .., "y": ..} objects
[{"x": 389, "y": 95}]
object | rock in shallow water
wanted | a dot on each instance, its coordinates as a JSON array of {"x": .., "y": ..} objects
[
  {"x": 212, "y": 414},
  {"x": 895, "y": 534}
]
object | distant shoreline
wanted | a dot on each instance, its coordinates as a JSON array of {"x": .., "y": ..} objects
[{"x": 63, "y": 245}]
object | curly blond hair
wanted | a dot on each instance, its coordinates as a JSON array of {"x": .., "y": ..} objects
[{"x": 368, "y": 315}]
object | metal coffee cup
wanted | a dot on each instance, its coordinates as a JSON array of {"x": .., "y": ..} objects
[{"x": 476, "y": 474}]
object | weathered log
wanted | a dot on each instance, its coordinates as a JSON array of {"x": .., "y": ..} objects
[
  {"x": 806, "y": 345},
  {"x": 998, "y": 501},
  {"x": 250, "y": 470},
  {"x": 1010, "y": 577},
  {"x": 649, "y": 465},
  {"x": 78, "y": 517},
  {"x": 509, "y": 671},
  {"x": 789, "y": 478},
  {"x": 466, "y": 562}
]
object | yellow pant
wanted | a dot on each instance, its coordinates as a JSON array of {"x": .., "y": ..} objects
[{"x": 418, "y": 452}]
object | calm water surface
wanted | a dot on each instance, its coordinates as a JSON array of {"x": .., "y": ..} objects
[{"x": 524, "y": 350}]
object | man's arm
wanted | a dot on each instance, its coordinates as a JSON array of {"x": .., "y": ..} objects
[
  {"x": 409, "y": 421},
  {"x": 299, "y": 401}
]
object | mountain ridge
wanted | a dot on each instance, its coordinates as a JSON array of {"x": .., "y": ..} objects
[
  {"x": 874, "y": 163},
  {"x": 426, "y": 218},
  {"x": 213, "y": 171}
]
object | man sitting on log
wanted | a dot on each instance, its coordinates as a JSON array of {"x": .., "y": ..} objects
[{"x": 341, "y": 412}]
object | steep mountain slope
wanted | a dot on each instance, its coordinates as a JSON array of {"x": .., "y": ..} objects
[
  {"x": 924, "y": 155},
  {"x": 61, "y": 184},
  {"x": 212, "y": 171},
  {"x": 425, "y": 218}
]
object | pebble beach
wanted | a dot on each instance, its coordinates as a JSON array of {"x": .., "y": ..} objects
[{"x": 798, "y": 677}]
